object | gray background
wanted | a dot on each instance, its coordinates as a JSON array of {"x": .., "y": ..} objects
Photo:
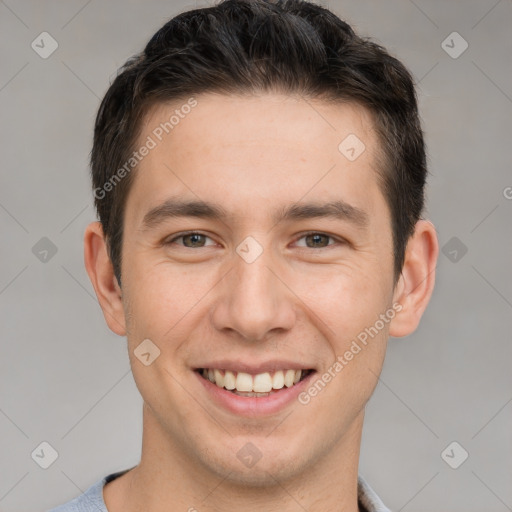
[{"x": 65, "y": 378}]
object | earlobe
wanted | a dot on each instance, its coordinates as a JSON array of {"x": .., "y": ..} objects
[
  {"x": 101, "y": 273},
  {"x": 416, "y": 283}
]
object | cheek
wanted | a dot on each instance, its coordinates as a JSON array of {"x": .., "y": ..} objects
[
  {"x": 349, "y": 305},
  {"x": 357, "y": 336},
  {"x": 345, "y": 300},
  {"x": 166, "y": 303}
]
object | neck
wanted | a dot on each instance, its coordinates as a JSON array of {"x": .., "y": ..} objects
[{"x": 169, "y": 475}]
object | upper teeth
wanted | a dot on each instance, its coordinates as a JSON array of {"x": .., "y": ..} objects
[{"x": 260, "y": 383}]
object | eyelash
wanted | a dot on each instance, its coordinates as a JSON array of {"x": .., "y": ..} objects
[{"x": 303, "y": 235}]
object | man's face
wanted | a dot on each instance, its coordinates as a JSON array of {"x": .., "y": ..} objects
[{"x": 255, "y": 292}]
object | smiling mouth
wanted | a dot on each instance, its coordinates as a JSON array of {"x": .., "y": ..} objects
[{"x": 247, "y": 385}]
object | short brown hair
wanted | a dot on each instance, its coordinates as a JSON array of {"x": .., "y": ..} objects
[{"x": 249, "y": 46}]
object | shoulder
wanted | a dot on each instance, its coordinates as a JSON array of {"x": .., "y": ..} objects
[
  {"x": 91, "y": 500},
  {"x": 368, "y": 499}
]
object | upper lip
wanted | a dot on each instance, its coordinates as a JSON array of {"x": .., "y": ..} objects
[{"x": 254, "y": 368}]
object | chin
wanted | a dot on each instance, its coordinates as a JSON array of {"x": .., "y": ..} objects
[{"x": 254, "y": 461}]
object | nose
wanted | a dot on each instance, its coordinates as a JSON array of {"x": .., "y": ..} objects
[{"x": 254, "y": 302}]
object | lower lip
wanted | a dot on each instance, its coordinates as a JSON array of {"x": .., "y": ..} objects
[{"x": 254, "y": 406}]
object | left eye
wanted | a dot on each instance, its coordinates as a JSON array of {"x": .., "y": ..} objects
[{"x": 317, "y": 240}]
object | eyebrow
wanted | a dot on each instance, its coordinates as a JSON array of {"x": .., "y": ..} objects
[
  {"x": 338, "y": 209},
  {"x": 175, "y": 208}
]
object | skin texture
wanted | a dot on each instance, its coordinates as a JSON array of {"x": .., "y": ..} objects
[{"x": 297, "y": 301}]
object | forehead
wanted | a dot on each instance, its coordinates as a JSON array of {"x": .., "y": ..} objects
[
  {"x": 252, "y": 152},
  {"x": 254, "y": 121}
]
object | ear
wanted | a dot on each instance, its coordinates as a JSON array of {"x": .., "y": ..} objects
[
  {"x": 101, "y": 273},
  {"x": 416, "y": 282}
]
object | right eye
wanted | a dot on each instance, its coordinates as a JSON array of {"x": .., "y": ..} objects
[{"x": 190, "y": 239}]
